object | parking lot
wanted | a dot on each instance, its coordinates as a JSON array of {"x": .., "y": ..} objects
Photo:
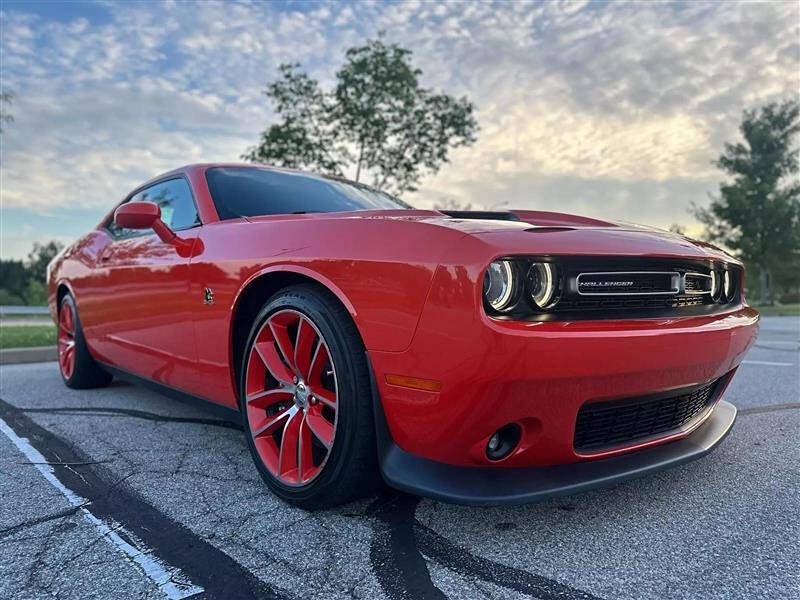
[{"x": 154, "y": 498}]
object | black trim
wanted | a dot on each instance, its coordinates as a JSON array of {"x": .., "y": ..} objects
[
  {"x": 490, "y": 215},
  {"x": 219, "y": 410},
  {"x": 480, "y": 486}
]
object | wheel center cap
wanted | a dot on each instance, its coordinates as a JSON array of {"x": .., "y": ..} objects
[{"x": 301, "y": 394}]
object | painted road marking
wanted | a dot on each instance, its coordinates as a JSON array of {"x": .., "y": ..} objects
[
  {"x": 169, "y": 579},
  {"x": 767, "y": 362}
]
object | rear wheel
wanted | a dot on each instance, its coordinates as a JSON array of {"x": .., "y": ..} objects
[
  {"x": 306, "y": 400},
  {"x": 78, "y": 369}
]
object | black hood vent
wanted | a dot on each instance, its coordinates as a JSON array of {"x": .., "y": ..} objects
[{"x": 487, "y": 215}]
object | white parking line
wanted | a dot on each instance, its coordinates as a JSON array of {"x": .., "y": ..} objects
[
  {"x": 767, "y": 362},
  {"x": 170, "y": 580}
]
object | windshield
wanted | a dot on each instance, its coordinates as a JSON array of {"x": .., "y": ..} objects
[{"x": 251, "y": 192}]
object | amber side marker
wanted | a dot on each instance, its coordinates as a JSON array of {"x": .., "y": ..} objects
[{"x": 428, "y": 385}]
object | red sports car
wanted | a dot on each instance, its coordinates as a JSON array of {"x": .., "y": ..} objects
[{"x": 476, "y": 357}]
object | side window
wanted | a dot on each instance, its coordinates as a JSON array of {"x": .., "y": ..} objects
[{"x": 174, "y": 197}]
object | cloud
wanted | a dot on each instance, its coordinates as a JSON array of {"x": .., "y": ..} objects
[{"x": 615, "y": 109}]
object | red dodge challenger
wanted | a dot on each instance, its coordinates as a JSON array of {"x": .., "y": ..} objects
[{"x": 474, "y": 357}]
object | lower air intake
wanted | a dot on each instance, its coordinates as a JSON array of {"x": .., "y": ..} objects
[{"x": 606, "y": 425}]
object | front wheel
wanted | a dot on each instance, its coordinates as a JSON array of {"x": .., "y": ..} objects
[{"x": 306, "y": 400}]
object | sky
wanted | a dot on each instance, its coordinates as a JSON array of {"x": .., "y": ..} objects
[{"x": 612, "y": 110}]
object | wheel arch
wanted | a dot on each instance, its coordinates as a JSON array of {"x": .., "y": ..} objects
[
  {"x": 257, "y": 290},
  {"x": 62, "y": 289}
]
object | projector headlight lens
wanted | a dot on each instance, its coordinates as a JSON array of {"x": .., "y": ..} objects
[
  {"x": 499, "y": 285},
  {"x": 727, "y": 285},
  {"x": 716, "y": 285},
  {"x": 542, "y": 284}
]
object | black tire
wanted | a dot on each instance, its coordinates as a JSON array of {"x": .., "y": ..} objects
[
  {"x": 85, "y": 373},
  {"x": 350, "y": 469}
]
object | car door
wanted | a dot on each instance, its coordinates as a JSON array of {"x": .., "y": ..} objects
[{"x": 143, "y": 313}]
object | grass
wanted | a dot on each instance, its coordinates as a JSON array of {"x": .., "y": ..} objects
[
  {"x": 779, "y": 310},
  {"x": 27, "y": 336}
]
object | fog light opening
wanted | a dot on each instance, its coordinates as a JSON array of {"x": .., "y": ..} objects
[{"x": 503, "y": 441}]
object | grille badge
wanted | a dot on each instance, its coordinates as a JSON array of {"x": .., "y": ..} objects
[{"x": 628, "y": 283}]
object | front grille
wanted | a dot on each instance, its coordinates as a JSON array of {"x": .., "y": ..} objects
[
  {"x": 634, "y": 287},
  {"x": 665, "y": 302},
  {"x": 605, "y": 425}
]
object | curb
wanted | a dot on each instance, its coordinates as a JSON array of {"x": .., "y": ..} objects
[{"x": 15, "y": 356}]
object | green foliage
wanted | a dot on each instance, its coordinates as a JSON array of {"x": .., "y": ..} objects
[
  {"x": 14, "y": 277},
  {"x": 677, "y": 228},
  {"x": 307, "y": 136},
  {"x": 377, "y": 120},
  {"x": 27, "y": 336},
  {"x": 757, "y": 212},
  {"x": 40, "y": 256},
  {"x": 23, "y": 282}
]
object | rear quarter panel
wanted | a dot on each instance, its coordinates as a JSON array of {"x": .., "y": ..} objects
[{"x": 73, "y": 268}]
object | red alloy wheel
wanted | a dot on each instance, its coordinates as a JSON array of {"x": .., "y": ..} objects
[
  {"x": 66, "y": 340},
  {"x": 291, "y": 397}
]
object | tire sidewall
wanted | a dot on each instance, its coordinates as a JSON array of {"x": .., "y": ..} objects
[{"x": 317, "y": 309}]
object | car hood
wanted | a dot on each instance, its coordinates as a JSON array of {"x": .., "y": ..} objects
[{"x": 543, "y": 232}]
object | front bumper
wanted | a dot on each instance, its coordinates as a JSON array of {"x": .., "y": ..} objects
[
  {"x": 539, "y": 375},
  {"x": 519, "y": 485}
]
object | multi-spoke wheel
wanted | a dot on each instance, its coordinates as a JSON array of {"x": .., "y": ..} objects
[
  {"x": 78, "y": 369},
  {"x": 66, "y": 340},
  {"x": 291, "y": 397},
  {"x": 306, "y": 400}
]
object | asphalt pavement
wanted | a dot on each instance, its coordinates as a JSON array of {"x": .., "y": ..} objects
[{"x": 154, "y": 498}]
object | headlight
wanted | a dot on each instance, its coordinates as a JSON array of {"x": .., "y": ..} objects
[
  {"x": 542, "y": 284},
  {"x": 499, "y": 285},
  {"x": 727, "y": 285},
  {"x": 716, "y": 285}
]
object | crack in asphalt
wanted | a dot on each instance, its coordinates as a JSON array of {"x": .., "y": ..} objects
[
  {"x": 395, "y": 558},
  {"x": 115, "y": 504},
  {"x": 136, "y": 414},
  {"x": 38, "y": 521},
  {"x": 400, "y": 544},
  {"x": 463, "y": 562},
  {"x": 757, "y": 410},
  {"x": 398, "y": 551}
]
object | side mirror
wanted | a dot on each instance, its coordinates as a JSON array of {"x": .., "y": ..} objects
[
  {"x": 147, "y": 215},
  {"x": 137, "y": 215}
]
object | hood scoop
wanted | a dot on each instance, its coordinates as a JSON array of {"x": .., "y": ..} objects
[
  {"x": 484, "y": 215},
  {"x": 540, "y": 220}
]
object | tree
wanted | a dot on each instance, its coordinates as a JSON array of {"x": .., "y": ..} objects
[
  {"x": 757, "y": 213},
  {"x": 39, "y": 257},
  {"x": 25, "y": 281},
  {"x": 677, "y": 228},
  {"x": 14, "y": 279},
  {"x": 377, "y": 121},
  {"x": 6, "y": 97},
  {"x": 450, "y": 203}
]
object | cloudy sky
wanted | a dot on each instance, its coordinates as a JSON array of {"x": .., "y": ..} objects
[{"x": 605, "y": 109}]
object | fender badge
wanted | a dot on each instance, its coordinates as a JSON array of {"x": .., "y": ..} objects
[{"x": 208, "y": 296}]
